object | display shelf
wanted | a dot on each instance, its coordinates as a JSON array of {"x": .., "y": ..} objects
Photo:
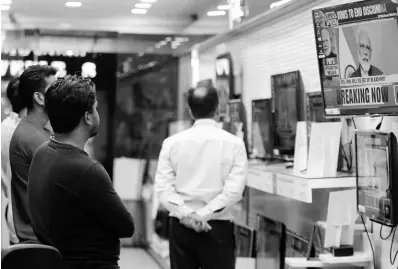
[
  {"x": 357, "y": 227},
  {"x": 304, "y": 263},
  {"x": 317, "y": 263},
  {"x": 279, "y": 180},
  {"x": 358, "y": 259}
]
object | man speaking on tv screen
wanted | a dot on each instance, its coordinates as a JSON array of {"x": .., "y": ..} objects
[{"x": 364, "y": 49}]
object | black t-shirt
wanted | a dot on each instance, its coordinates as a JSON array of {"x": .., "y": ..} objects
[
  {"x": 75, "y": 208},
  {"x": 26, "y": 138}
]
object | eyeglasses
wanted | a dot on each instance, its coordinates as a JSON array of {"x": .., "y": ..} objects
[{"x": 365, "y": 47}]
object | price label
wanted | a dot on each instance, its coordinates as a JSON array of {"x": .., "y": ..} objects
[
  {"x": 285, "y": 186},
  {"x": 302, "y": 191},
  {"x": 262, "y": 181}
]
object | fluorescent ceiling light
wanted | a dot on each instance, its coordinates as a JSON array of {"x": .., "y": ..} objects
[
  {"x": 5, "y": 7},
  {"x": 6, "y": 2},
  {"x": 138, "y": 11},
  {"x": 148, "y": 1},
  {"x": 216, "y": 13},
  {"x": 279, "y": 3},
  {"x": 223, "y": 7},
  {"x": 73, "y": 4},
  {"x": 143, "y": 5}
]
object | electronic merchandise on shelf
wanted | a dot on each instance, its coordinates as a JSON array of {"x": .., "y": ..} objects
[
  {"x": 288, "y": 96},
  {"x": 377, "y": 176},
  {"x": 235, "y": 123},
  {"x": 245, "y": 241},
  {"x": 262, "y": 129},
  {"x": 358, "y": 58},
  {"x": 271, "y": 243}
]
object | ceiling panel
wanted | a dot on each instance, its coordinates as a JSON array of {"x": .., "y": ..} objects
[{"x": 165, "y": 16}]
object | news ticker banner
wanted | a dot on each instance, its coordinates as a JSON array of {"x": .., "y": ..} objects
[{"x": 358, "y": 59}]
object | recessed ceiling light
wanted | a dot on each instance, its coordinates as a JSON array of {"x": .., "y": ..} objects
[
  {"x": 73, "y": 4},
  {"x": 5, "y": 7},
  {"x": 69, "y": 53},
  {"x": 143, "y": 5},
  {"x": 138, "y": 11},
  {"x": 6, "y": 2},
  {"x": 148, "y": 1},
  {"x": 216, "y": 13},
  {"x": 223, "y": 7}
]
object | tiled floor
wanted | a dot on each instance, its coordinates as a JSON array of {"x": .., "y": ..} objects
[{"x": 131, "y": 258}]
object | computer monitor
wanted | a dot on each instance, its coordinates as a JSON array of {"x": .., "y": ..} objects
[
  {"x": 357, "y": 57},
  {"x": 271, "y": 244},
  {"x": 287, "y": 95},
  {"x": 245, "y": 241},
  {"x": 377, "y": 176},
  {"x": 262, "y": 128}
]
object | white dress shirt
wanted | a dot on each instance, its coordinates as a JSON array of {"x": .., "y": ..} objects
[
  {"x": 8, "y": 127},
  {"x": 203, "y": 170}
]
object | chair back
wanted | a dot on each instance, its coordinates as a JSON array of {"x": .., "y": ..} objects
[{"x": 31, "y": 256}]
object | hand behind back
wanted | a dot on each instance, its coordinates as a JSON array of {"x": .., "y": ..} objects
[{"x": 193, "y": 221}]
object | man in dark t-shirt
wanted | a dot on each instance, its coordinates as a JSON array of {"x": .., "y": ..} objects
[
  {"x": 30, "y": 133},
  {"x": 73, "y": 204}
]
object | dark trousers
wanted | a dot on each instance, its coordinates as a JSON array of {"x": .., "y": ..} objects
[{"x": 207, "y": 250}]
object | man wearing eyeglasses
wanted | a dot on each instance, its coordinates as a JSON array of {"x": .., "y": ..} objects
[{"x": 364, "y": 49}]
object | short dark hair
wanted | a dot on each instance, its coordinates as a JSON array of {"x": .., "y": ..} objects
[
  {"x": 33, "y": 80},
  {"x": 203, "y": 102},
  {"x": 13, "y": 95},
  {"x": 67, "y": 100}
]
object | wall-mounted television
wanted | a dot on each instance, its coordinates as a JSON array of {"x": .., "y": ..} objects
[
  {"x": 358, "y": 57},
  {"x": 262, "y": 128},
  {"x": 288, "y": 96},
  {"x": 377, "y": 176}
]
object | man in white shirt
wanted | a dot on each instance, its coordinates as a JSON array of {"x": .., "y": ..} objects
[
  {"x": 201, "y": 175},
  {"x": 7, "y": 129}
]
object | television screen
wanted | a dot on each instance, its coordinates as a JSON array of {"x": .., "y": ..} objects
[
  {"x": 315, "y": 108},
  {"x": 286, "y": 93},
  {"x": 262, "y": 128},
  {"x": 224, "y": 81},
  {"x": 245, "y": 237},
  {"x": 375, "y": 176},
  {"x": 235, "y": 125},
  {"x": 271, "y": 244},
  {"x": 357, "y": 57},
  {"x": 296, "y": 245}
]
